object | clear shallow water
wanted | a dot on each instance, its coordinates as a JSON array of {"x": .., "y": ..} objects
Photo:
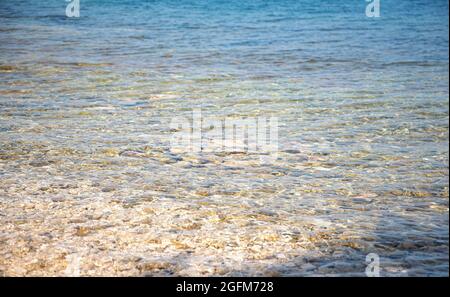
[{"x": 85, "y": 162}]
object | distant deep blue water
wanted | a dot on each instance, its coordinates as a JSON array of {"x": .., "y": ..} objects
[
  {"x": 333, "y": 38},
  {"x": 363, "y": 101}
]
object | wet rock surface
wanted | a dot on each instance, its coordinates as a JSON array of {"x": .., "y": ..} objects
[{"x": 113, "y": 217}]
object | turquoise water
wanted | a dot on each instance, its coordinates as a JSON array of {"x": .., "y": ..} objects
[{"x": 362, "y": 106}]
